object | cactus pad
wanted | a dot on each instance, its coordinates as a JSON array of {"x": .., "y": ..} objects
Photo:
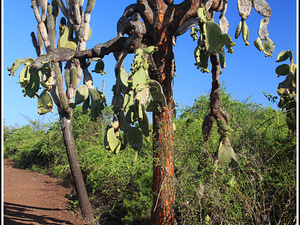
[
  {"x": 82, "y": 93},
  {"x": 15, "y": 66},
  {"x": 45, "y": 103}
]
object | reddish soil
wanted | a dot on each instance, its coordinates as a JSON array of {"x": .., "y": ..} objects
[{"x": 32, "y": 198}]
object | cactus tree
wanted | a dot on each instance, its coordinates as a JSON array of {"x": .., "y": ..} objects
[{"x": 148, "y": 29}]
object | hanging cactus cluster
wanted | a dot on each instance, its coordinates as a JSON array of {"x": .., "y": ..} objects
[
  {"x": 287, "y": 88},
  {"x": 263, "y": 42},
  {"x": 30, "y": 79},
  {"x": 135, "y": 94},
  {"x": 91, "y": 99},
  {"x": 226, "y": 154},
  {"x": 212, "y": 39}
]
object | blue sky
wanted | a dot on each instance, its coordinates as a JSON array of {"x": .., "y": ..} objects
[{"x": 248, "y": 72}]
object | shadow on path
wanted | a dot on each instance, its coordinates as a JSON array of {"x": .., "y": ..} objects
[{"x": 15, "y": 214}]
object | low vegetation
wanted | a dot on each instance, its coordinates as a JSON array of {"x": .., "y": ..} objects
[{"x": 262, "y": 190}]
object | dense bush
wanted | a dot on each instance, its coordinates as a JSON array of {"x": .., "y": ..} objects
[{"x": 261, "y": 191}]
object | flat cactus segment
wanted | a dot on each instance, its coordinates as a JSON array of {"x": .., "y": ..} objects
[
  {"x": 55, "y": 8},
  {"x": 46, "y": 69},
  {"x": 123, "y": 123},
  {"x": 150, "y": 50},
  {"x": 95, "y": 103},
  {"x": 122, "y": 80},
  {"x": 43, "y": 5},
  {"x": 258, "y": 43},
  {"x": 15, "y": 66},
  {"x": 202, "y": 60},
  {"x": 82, "y": 93},
  {"x": 32, "y": 88},
  {"x": 226, "y": 39},
  {"x": 245, "y": 32},
  {"x": 153, "y": 106},
  {"x": 63, "y": 39},
  {"x": 159, "y": 97},
  {"x": 106, "y": 145},
  {"x": 156, "y": 94},
  {"x": 194, "y": 33},
  {"x": 45, "y": 103},
  {"x": 99, "y": 67},
  {"x": 225, "y": 153},
  {"x": 144, "y": 123},
  {"x": 140, "y": 111},
  {"x": 238, "y": 30},
  {"x": 287, "y": 83},
  {"x": 73, "y": 75},
  {"x": 90, "y": 6},
  {"x": 201, "y": 13},
  {"x": 208, "y": 4},
  {"x": 113, "y": 142},
  {"x": 268, "y": 47},
  {"x": 244, "y": 7},
  {"x": 155, "y": 86},
  {"x": 90, "y": 34},
  {"x": 115, "y": 124},
  {"x": 132, "y": 114},
  {"x": 283, "y": 69},
  {"x": 28, "y": 61},
  {"x": 85, "y": 106},
  {"x": 135, "y": 138},
  {"x": 49, "y": 9},
  {"x": 71, "y": 45},
  {"x": 262, "y": 31},
  {"x": 128, "y": 101},
  {"x": 67, "y": 77},
  {"x": 222, "y": 59},
  {"x": 284, "y": 55},
  {"x": 140, "y": 77},
  {"x": 24, "y": 77},
  {"x": 262, "y": 7},
  {"x": 213, "y": 35},
  {"x": 224, "y": 24}
]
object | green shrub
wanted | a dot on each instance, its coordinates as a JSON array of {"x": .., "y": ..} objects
[{"x": 261, "y": 191}]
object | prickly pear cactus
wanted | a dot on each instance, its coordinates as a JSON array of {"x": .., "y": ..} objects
[
  {"x": 133, "y": 93},
  {"x": 212, "y": 38},
  {"x": 99, "y": 67},
  {"x": 263, "y": 42},
  {"x": 226, "y": 154},
  {"x": 45, "y": 103},
  {"x": 31, "y": 77},
  {"x": 44, "y": 73},
  {"x": 287, "y": 89}
]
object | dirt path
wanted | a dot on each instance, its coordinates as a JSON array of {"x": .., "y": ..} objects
[{"x": 32, "y": 198}]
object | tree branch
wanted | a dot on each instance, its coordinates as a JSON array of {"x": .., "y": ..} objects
[{"x": 145, "y": 11}]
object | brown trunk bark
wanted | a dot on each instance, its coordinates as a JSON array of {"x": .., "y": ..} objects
[
  {"x": 68, "y": 138},
  {"x": 163, "y": 170},
  {"x": 163, "y": 149}
]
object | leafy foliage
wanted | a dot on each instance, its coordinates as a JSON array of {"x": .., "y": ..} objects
[{"x": 261, "y": 191}]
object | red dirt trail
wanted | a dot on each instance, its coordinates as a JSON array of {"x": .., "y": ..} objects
[{"x": 32, "y": 198}]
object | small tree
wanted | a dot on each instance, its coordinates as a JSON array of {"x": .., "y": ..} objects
[{"x": 152, "y": 27}]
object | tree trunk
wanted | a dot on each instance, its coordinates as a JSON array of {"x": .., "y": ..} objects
[
  {"x": 163, "y": 170},
  {"x": 163, "y": 149},
  {"x": 68, "y": 138}
]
